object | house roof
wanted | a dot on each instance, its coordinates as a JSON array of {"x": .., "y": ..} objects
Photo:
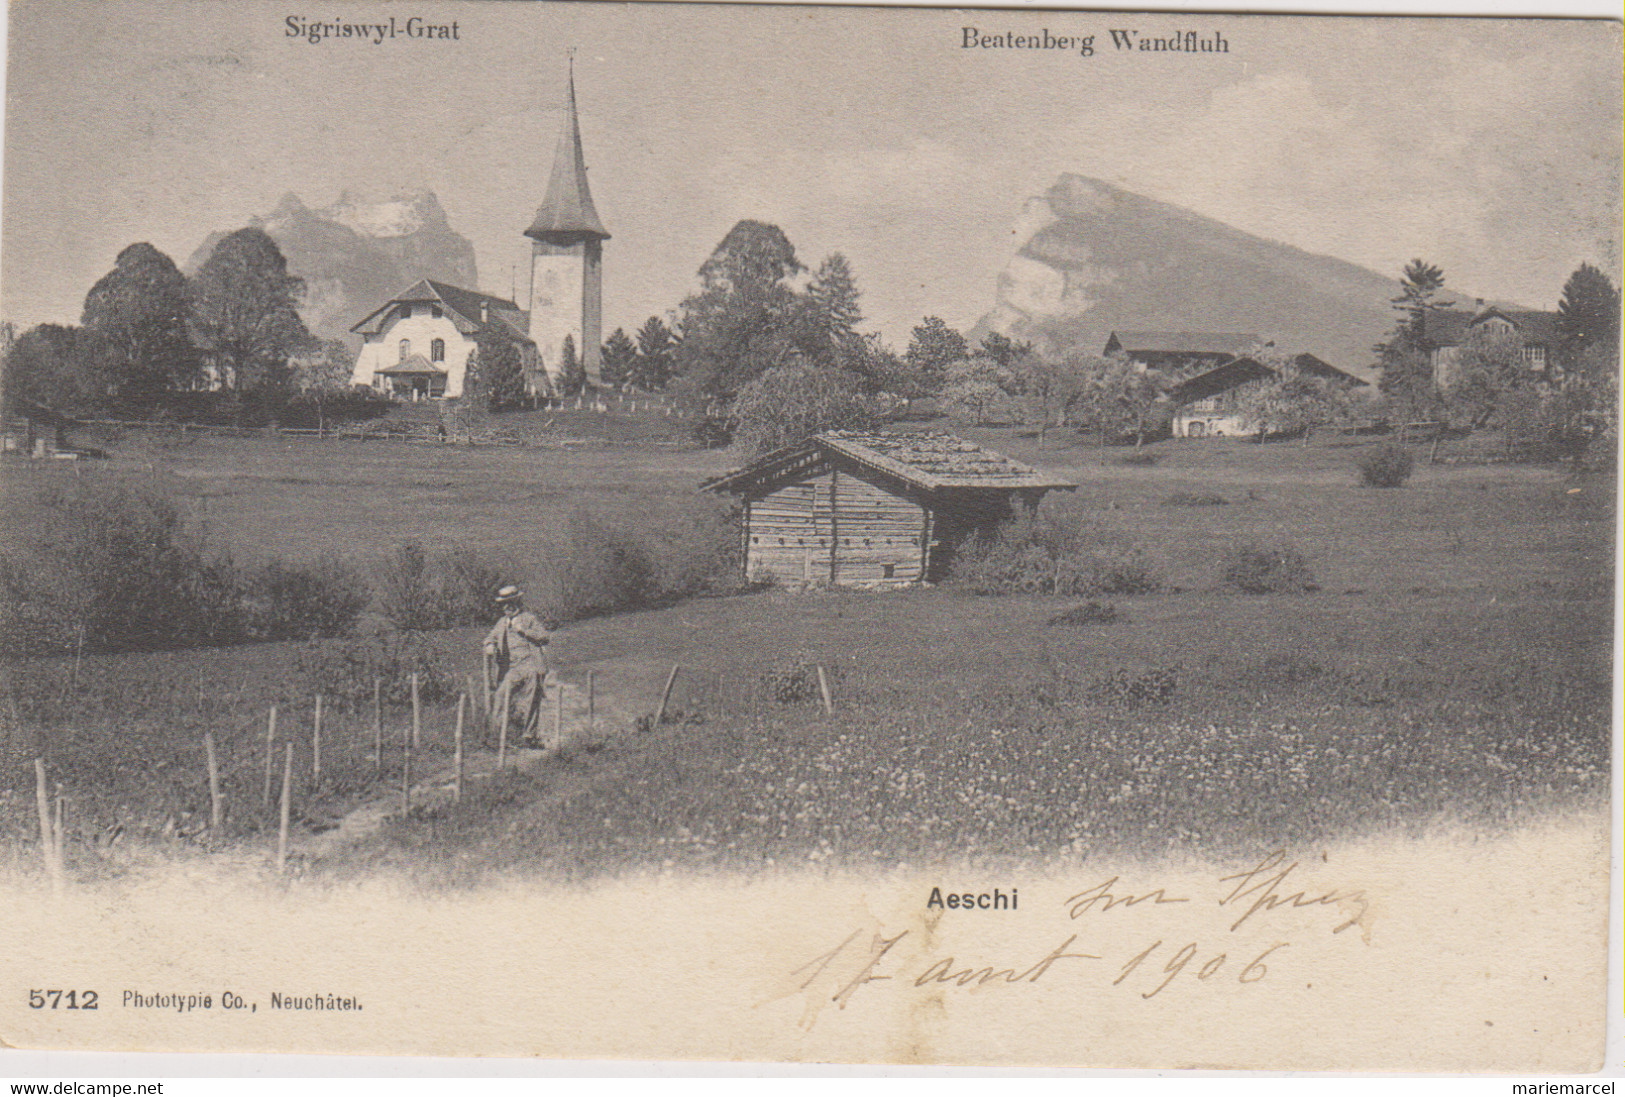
[
  {"x": 415, "y": 363},
  {"x": 1449, "y": 327},
  {"x": 39, "y": 413},
  {"x": 501, "y": 315},
  {"x": 928, "y": 460},
  {"x": 567, "y": 214},
  {"x": 1244, "y": 368},
  {"x": 1186, "y": 342}
]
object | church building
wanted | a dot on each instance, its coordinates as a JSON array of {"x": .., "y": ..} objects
[{"x": 417, "y": 344}]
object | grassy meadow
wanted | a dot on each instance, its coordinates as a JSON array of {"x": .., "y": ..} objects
[{"x": 1455, "y": 663}]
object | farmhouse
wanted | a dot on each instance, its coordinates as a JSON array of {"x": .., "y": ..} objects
[
  {"x": 417, "y": 345},
  {"x": 847, "y": 508},
  {"x": 1446, "y": 330},
  {"x": 34, "y": 430},
  {"x": 1206, "y": 403},
  {"x": 1182, "y": 352}
]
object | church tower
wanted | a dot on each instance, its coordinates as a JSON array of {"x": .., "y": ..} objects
[{"x": 567, "y": 258}]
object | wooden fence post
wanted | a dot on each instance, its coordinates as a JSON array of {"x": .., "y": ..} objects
[
  {"x": 406, "y": 775},
  {"x": 665, "y": 696},
  {"x": 316, "y": 745},
  {"x": 214, "y": 783},
  {"x": 287, "y": 809},
  {"x": 47, "y": 830},
  {"x": 417, "y": 715},
  {"x": 270, "y": 756},
  {"x": 592, "y": 692},
  {"x": 485, "y": 686},
  {"x": 823, "y": 689},
  {"x": 378, "y": 725},
  {"x": 502, "y": 730},
  {"x": 457, "y": 751},
  {"x": 558, "y": 716}
]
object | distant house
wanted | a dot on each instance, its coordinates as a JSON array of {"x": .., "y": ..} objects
[
  {"x": 416, "y": 346},
  {"x": 1182, "y": 352},
  {"x": 1445, "y": 331},
  {"x": 847, "y": 508},
  {"x": 1206, "y": 404},
  {"x": 34, "y": 430}
]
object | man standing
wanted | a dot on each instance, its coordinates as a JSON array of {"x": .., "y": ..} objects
[{"x": 518, "y": 649}]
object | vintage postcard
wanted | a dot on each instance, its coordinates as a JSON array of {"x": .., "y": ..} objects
[{"x": 809, "y": 534}]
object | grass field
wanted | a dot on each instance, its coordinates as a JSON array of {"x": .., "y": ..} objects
[{"x": 1455, "y": 663}]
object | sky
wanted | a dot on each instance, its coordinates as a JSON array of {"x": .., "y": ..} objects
[{"x": 1489, "y": 147}]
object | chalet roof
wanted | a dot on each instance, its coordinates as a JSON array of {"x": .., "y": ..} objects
[
  {"x": 414, "y": 363},
  {"x": 567, "y": 214},
  {"x": 1449, "y": 327},
  {"x": 1186, "y": 342},
  {"x": 501, "y": 315},
  {"x": 1244, "y": 368},
  {"x": 931, "y": 461}
]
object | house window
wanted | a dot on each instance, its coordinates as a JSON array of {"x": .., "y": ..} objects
[
  {"x": 406, "y": 349},
  {"x": 1534, "y": 357},
  {"x": 406, "y": 312},
  {"x": 434, "y": 310},
  {"x": 437, "y": 351}
]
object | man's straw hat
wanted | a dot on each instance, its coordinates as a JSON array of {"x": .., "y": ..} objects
[{"x": 509, "y": 594}]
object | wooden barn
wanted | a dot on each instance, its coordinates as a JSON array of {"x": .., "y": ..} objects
[{"x": 845, "y": 508}]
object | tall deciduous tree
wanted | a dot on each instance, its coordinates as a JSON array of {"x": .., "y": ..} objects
[
  {"x": 744, "y": 319},
  {"x": 617, "y": 359},
  {"x": 47, "y": 365},
  {"x": 1293, "y": 401},
  {"x": 136, "y": 318},
  {"x": 246, "y": 308},
  {"x": 1118, "y": 398}
]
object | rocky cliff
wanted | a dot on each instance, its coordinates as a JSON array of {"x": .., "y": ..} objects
[
  {"x": 1098, "y": 259},
  {"x": 355, "y": 254}
]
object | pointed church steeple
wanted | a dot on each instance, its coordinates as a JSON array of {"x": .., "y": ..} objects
[{"x": 567, "y": 213}]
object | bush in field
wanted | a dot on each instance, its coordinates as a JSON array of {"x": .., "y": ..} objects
[
  {"x": 1255, "y": 569},
  {"x": 598, "y": 568},
  {"x": 419, "y": 592},
  {"x": 114, "y": 569},
  {"x": 701, "y": 553},
  {"x": 1195, "y": 499},
  {"x": 1049, "y": 553},
  {"x": 1090, "y": 613},
  {"x": 1387, "y": 466},
  {"x": 283, "y": 601},
  {"x": 794, "y": 680},
  {"x": 346, "y": 669}
]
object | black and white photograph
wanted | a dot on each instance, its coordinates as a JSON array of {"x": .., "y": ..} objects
[{"x": 799, "y": 534}]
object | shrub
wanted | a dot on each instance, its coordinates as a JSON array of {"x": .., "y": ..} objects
[
  {"x": 1122, "y": 689},
  {"x": 1387, "y": 466},
  {"x": 1048, "y": 553},
  {"x": 303, "y": 602},
  {"x": 1139, "y": 460},
  {"x": 116, "y": 570},
  {"x": 794, "y": 680},
  {"x": 419, "y": 592},
  {"x": 1090, "y": 613},
  {"x": 346, "y": 670},
  {"x": 1195, "y": 499},
  {"x": 599, "y": 568},
  {"x": 1255, "y": 569}
]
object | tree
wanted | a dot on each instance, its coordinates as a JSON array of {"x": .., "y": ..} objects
[
  {"x": 745, "y": 318},
  {"x": 1419, "y": 286},
  {"x": 1008, "y": 353},
  {"x": 617, "y": 360},
  {"x": 322, "y": 374},
  {"x": 1049, "y": 385},
  {"x": 47, "y": 365},
  {"x": 245, "y": 304},
  {"x": 500, "y": 372},
  {"x": 831, "y": 315},
  {"x": 136, "y": 319},
  {"x": 572, "y": 373},
  {"x": 1118, "y": 398},
  {"x": 1293, "y": 401},
  {"x": 652, "y": 370},
  {"x": 1407, "y": 384},
  {"x": 1588, "y": 314},
  {"x": 975, "y": 386},
  {"x": 1486, "y": 368},
  {"x": 791, "y": 401},
  {"x": 932, "y": 348}
]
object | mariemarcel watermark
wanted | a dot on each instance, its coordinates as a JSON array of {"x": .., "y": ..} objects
[
  {"x": 1122, "y": 40},
  {"x": 384, "y": 30}
]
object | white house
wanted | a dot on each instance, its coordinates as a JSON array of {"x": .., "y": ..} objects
[{"x": 417, "y": 345}]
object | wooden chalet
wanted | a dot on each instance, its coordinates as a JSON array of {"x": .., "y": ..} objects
[{"x": 862, "y": 509}]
